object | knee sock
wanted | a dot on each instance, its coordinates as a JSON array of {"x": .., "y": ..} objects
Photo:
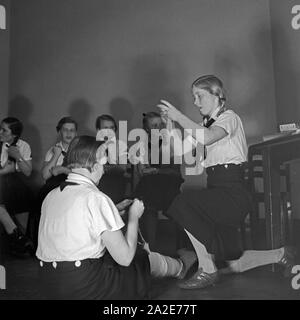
[
  {"x": 6, "y": 220},
  {"x": 164, "y": 266},
  {"x": 252, "y": 259},
  {"x": 205, "y": 259}
]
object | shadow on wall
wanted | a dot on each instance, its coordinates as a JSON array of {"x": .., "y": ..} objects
[
  {"x": 254, "y": 97},
  {"x": 80, "y": 111},
  {"x": 155, "y": 77},
  {"x": 22, "y": 108},
  {"x": 122, "y": 110},
  {"x": 161, "y": 76}
]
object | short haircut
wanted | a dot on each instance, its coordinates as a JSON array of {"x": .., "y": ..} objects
[
  {"x": 147, "y": 116},
  {"x": 82, "y": 152},
  {"x": 106, "y": 117},
  {"x": 15, "y": 125},
  {"x": 65, "y": 120}
]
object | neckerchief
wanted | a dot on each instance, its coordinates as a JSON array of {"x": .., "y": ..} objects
[{"x": 67, "y": 183}]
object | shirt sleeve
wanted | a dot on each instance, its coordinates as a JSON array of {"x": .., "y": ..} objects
[
  {"x": 49, "y": 155},
  {"x": 104, "y": 214},
  {"x": 227, "y": 121},
  {"x": 25, "y": 151}
]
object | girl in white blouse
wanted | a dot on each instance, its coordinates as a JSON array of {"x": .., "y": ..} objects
[
  {"x": 212, "y": 216},
  {"x": 83, "y": 251},
  {"x": 16, "y": 197}
]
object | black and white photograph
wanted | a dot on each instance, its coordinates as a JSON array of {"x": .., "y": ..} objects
[{"x": 149, "y": 152}]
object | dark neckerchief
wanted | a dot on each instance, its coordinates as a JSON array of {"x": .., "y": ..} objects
[
  {"x": 207, "y": 122},
  {"x": 67, "y": 183},
  {"x": 14, "y": 144}
]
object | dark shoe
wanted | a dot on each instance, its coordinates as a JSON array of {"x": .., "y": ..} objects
[
  {"x": 288, "y": 261},
  {"x": 200, "y": 280},
  {"x": 20, "y": 245},
  {"x": 188, "y": 259}
]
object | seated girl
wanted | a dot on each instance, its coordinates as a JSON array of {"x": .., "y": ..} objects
[
  {"x": 16, "y": 197},
  {"x": 53, "y": 170},
  {"x": 159, "y": 183},
  {"x": 82, "y": 249},
  {"x": 115, "y": 178}
]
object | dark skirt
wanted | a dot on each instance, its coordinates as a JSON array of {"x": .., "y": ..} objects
[
  {"x": 16, "y": 193},
  {"x": 158, "y": 190},
  {"x": 213, "y": 215},
  {"x": 97, "y": 279},
  {"x": 113, "y": 184}
]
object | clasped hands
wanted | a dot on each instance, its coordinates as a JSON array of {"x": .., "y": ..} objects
[{"x": 14, "y": 152}]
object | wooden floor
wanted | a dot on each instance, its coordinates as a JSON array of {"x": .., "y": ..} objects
[{"x": 258, "y": 284}]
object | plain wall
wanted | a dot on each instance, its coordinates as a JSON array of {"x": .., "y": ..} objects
[
  {"x": 286, "y": 53},
  {"x": 85, "y": 58},
  {"x": 4, "y": 61}
]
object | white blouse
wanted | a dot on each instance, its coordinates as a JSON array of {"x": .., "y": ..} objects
[
  {"x": 233, "y": 147},
  {"x": 73, "y": 220},
  {"x": 24, "y": 149},
  {"x": 50, "y": 153}
]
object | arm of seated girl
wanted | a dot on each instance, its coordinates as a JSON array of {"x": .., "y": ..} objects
[
  {"x": 122, "y": 248},
  {"x": 8, "y": 168}
]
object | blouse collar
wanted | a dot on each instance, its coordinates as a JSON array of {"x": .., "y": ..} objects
[{"x": 79, "y": 179}]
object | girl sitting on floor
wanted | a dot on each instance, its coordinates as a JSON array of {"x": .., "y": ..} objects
[{"x": 82, "y": 250}]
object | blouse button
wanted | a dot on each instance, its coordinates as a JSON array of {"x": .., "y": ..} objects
[
  {"x": 78, "y": 263},
  {"x": 54, "y": 264},
  {"x": 41, "y": 263}
]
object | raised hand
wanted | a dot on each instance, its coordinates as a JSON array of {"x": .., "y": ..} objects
[{"x": 168, "y": 110}]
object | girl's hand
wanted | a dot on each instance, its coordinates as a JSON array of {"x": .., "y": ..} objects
[
  {"x": 57, "y": 150},
  {"x": 168, "y": 110},
  {"x": 14, "y": 152},
  {"x": 136, "y": 210}
]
